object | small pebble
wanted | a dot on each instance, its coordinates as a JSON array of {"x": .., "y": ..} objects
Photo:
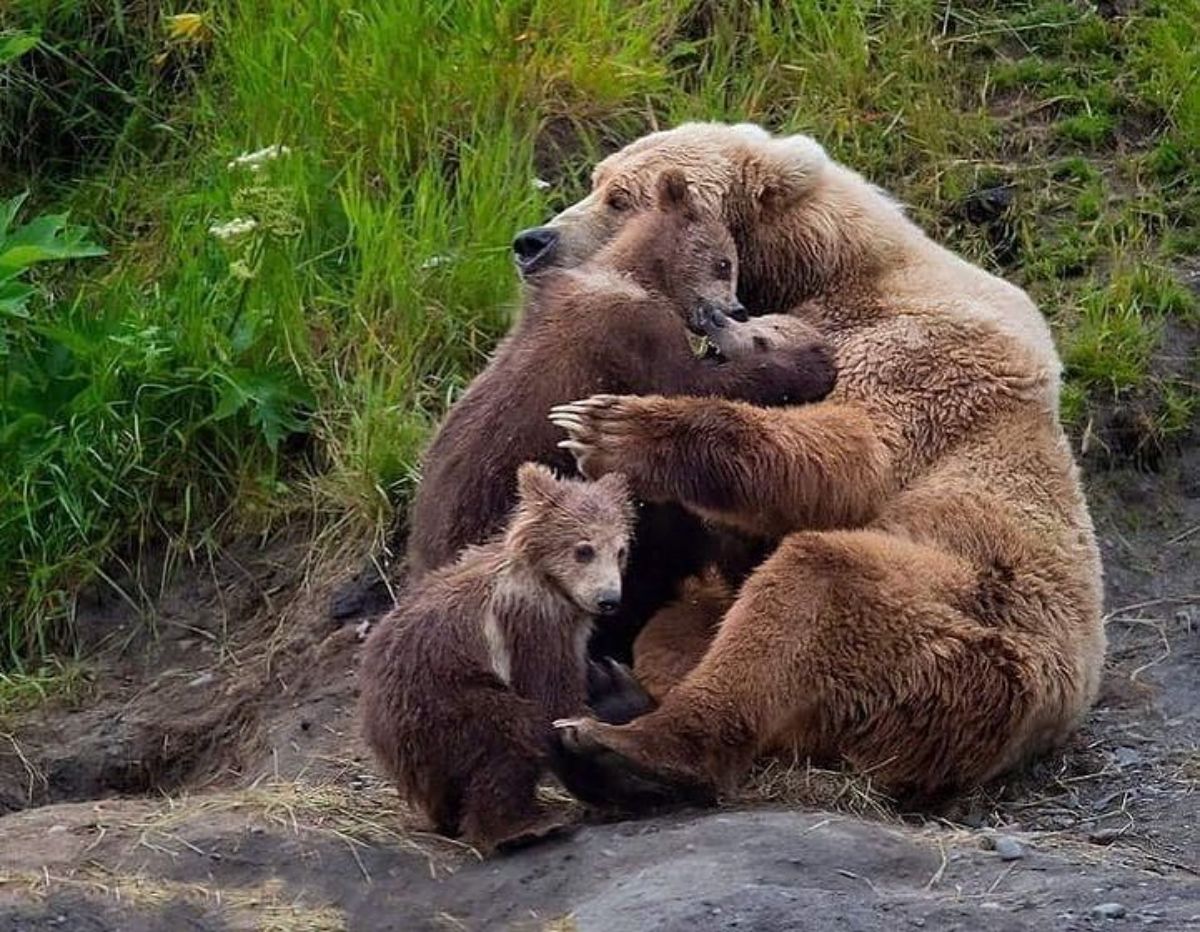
[
  {"x": 1108, "y": 911},
  {"x": 1009, "y": 848},
  {"x": 1127, "y": 757}
]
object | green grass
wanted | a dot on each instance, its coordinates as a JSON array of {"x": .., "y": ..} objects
[{"x": 190, "y": 388}]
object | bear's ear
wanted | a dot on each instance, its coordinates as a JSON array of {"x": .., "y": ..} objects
[
  {"x": 672, "y": 193},
  {"x": 781, "y": 171},
  {"x": 536, "y": 482}
]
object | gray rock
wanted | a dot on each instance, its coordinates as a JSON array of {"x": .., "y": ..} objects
[
  {"x": 1009, "y": 848},
  {"x": 1109, "y": 911}
]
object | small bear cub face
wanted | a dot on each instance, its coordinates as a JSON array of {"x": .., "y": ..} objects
[
  {"x": 573, "y": 535},
  {"x": 701, "y": 257},
  {"x": 737, "y": 339},
  {"x": 675, "y": 250}
]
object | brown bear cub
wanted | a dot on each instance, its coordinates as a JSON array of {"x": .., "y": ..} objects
[
  {"x": 617, "y": 324},
  {"x": 460, "y": 683}
]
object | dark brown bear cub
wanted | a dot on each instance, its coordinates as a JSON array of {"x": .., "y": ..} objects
[
  {"x": 618, "y": 324},
  {"x": 461, "y": 682}
]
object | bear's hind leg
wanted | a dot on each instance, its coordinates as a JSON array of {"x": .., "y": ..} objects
[
  {"x": 844, "y": 644},
  {"x": 500, "y": 807}
]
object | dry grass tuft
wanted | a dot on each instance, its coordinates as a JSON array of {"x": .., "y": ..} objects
[
  {"x": 798, "y": 783},
  {"x": 264, "y": 908}
]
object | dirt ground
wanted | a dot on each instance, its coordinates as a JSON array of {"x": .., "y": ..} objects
[{"x": 212, "y": 779}]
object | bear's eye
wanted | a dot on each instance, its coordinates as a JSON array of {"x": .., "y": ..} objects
[
  {"x": 760, "y": 343},
  {"x": 723, "y": 270},
  {"x": 584, "y": 553},
  {"x": 621, "y": 555},
  {"x": 618, "y": 200}
]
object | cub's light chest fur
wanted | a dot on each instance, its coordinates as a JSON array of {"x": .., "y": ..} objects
[{"x": 517, "y": 605}]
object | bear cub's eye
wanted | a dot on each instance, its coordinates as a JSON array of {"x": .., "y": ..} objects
[
  {"x": 584, "y": 553},
  {"x": 618, "y": 200},
  {"x": 723, "y": 270},
  {"x": 760, "y": 343}
]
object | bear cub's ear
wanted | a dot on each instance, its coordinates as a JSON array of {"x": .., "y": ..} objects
[
  {"x": 672, "y": 193},
  {"x": 536, "y": 482}
]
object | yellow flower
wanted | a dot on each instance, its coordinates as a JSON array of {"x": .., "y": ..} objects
[{"x": 188, "y": 27}]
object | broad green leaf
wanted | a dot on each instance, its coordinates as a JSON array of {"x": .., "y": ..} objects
[{"x": 43, "y": 239}]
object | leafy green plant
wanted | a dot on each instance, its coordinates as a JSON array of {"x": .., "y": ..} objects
[{"x": 45, "y": 239}]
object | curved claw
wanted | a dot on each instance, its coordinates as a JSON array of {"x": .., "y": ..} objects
[
  {"x": 586, "y": 405},
  {"x": 568, "y": 421},
  {"x": 570, "y": 407},
  {"x": 574, "y": 446}
]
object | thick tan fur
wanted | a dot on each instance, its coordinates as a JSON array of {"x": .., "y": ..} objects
[{"x": 932, "y": 612}]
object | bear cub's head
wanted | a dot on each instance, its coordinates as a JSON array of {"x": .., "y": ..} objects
[
  {"x": 676, "y": 251},
  {"x": 573, "y": 535},
  {"x": 735, "y": 340}
]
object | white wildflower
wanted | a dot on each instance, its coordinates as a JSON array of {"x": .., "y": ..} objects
[
  {"x": 541, "y": 184},
  {"x": 234, "y": 229},
  {"x": 435, "y": 262},
  {"x": 241, "y": 270},
  {"x": 255, "y": 160}
]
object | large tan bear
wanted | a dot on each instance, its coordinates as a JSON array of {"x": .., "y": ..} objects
[{"x": 932, "y": 612}]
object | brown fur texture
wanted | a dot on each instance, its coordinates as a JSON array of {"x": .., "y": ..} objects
[
  {"x": 460, "y": 683},
  {"x": 617, "y": 324},
  {"x": 932, "y": 613}
]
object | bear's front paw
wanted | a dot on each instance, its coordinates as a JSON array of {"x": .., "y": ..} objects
[
  {"x": 602, "y": 432},
  {"x": 614, "y": 694}
]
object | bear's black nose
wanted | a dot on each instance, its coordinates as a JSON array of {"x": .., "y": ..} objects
[
  {"x": 533, "y": 248},
  {"x": 608, "y": 602}
]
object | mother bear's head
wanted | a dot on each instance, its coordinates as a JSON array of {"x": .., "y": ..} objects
[{"x": 801, "y": 221}]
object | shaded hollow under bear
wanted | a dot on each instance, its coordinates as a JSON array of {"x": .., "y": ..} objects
[
  {"x": 616, "y": 324},
  {"x": 460, "y": 683}
]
